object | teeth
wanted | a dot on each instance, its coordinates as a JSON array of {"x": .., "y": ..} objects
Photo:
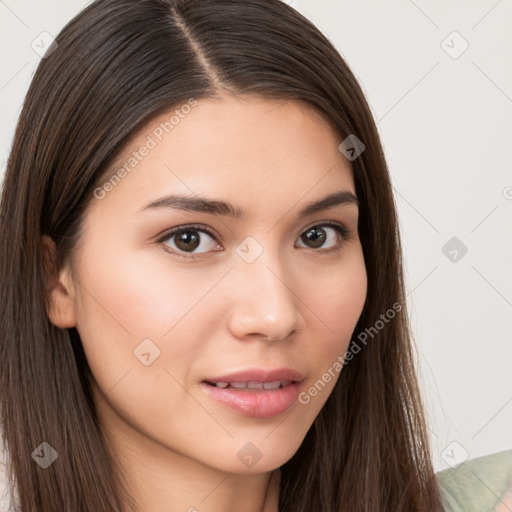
[
  {"x": 253, "y": 384},
  {"x": 238, "y": 385},
  {"x": 277, "y": 384},
  {"x": 272, "y": 385}
]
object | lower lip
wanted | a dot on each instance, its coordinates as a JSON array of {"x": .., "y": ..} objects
[{"x": 264, "y": 403}]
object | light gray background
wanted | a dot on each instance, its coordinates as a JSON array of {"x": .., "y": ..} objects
[{"x": 446, "y": 125}]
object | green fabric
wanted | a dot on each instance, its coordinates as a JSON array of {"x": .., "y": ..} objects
[{"x": 478, "y": 485}]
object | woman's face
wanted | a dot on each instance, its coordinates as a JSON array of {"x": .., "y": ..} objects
[{"x": 246, "y": 291}]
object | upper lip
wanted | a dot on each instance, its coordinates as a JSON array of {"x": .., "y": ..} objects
[{"x": 259, "y": 375}]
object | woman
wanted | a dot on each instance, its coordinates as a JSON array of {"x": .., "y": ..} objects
[{"x": 203, "y": 292}]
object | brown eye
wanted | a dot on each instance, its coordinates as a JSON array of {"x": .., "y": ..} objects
[
  {"x": 326, "y": 236},
  {"x": 189, "y": 240},
  {"x": 315, "y": 237}
]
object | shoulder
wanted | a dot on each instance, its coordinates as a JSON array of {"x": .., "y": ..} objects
[
  {"x": 5, "y": 493},
  {"x": 483, "y": 484},
  {"x": 4, "y": 489}
]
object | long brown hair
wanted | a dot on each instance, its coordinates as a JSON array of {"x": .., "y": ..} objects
[{"x": 117, "y": 65}]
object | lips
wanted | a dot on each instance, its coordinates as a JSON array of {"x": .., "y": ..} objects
[{"x": 256, "y": 393}]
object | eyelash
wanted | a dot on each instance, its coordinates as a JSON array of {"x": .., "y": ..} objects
[{"x": 340, "y": 228}]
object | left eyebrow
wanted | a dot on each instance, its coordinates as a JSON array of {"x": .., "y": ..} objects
[
  {"x": 341, "y": 197},
  {"x": 217, "y": 207}
]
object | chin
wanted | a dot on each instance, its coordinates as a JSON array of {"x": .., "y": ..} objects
[{"x": 256, "y": 456}]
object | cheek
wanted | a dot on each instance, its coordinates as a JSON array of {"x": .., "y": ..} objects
[
  {"x": 136, "y": 310},
  {"x": 133, "y": 304},
  {"x": 144, "y": 295},
  {"x": 335, "y": 300},
  {"x": 337, "y": 308},
  {"x": 338, "y": 302}
]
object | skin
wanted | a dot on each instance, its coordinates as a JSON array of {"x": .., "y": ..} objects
[{"x": 295, "y": 306}]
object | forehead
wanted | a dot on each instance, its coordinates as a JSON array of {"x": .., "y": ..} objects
[{"x": 231, "y": 145}]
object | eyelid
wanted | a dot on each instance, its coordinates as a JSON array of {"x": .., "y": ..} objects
[
  {"x": 331, "y": 223},
  {"x": 178, "y": 229}
]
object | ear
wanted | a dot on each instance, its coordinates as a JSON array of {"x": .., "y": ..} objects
[{"x": 59, "y": 287}]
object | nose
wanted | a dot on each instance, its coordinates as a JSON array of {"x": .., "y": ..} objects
[{"x": 262, "y": 303}]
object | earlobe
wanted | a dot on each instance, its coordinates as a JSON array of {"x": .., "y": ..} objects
[{"x": 59, "y": 288}]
